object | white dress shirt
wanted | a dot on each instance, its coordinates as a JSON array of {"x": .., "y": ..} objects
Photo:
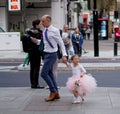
[{"x": 55, "y": 38}]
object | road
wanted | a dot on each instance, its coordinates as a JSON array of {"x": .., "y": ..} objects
[{"x": 21, "y": 78}]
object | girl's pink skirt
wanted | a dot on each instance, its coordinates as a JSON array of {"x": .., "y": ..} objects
[{"x": 84, "y": 84}]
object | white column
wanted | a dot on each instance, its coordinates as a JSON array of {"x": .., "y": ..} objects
[
  {"x": 3, "y": 18},
  {"x": 57, "y": 13}
]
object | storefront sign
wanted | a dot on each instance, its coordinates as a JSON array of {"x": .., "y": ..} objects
[
  {"x": 36, "y": 0},
  {"x": 14, "y": 5},
  {"x": 85, "y": 16}
]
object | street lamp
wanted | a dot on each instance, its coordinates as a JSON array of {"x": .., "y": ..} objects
[{"x": 95, "y": 23}]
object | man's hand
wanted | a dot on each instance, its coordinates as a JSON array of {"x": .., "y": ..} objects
[
  {"x": 34, "y": 40},
  {"x": 64, "y": 59}
]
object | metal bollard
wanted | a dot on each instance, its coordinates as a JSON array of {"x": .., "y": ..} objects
[{"x": 115, "y": 48}]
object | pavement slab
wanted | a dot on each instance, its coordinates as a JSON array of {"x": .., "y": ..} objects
[{"x": 24, "y": 100}]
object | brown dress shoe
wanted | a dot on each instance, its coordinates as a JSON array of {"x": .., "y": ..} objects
[
  {"x": 51, "y": 97},
  {"x": 57, "y": 96}
]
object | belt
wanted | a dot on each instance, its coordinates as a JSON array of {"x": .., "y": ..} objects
[{"x": 49, "y": 52}]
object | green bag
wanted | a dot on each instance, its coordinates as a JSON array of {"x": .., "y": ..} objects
[{"x": 41, "y": 46}]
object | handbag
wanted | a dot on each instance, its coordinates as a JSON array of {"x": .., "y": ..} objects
[{"x": 41, "y": 46}]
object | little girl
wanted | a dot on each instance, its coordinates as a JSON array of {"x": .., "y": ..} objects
[{"x": 80, "y": 83}]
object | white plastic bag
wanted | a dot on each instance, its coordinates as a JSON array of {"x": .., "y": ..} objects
[{"x": 71, "y": 51}]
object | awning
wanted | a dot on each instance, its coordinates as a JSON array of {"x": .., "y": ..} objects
[{"x": 85, "y": 16}]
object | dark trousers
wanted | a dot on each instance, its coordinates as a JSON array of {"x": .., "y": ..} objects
[
  {"x": 84, "y": 36},
  {"x": 77, "y": 49},
  {"x": 35, "y": 59},
  {"x": 88, "y": 36},
  {"x": 47, "y": 71},
  {"x": 67, "y": 46}
]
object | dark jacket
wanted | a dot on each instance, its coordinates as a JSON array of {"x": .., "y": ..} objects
[{"x": 35, "y": 33}]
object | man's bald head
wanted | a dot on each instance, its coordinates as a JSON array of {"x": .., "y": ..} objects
[{"x": 46, "y": 20}]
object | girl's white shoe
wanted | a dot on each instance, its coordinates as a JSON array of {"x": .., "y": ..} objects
[{"x": 76, "y": 100}]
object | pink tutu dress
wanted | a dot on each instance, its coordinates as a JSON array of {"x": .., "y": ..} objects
[{"x": 81, "y": 82}]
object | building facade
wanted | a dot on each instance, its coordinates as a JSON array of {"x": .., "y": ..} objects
[
  {"x": 33, "y": 9},
  {"x": 30, "y": 10}
]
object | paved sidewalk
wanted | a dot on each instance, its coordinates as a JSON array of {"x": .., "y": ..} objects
[
  {"x": 29, "y": 101},
  {"x": 106, "y": 50},
  {"x": 24, "y": 100},
  {"x": 88, "y": 66}
]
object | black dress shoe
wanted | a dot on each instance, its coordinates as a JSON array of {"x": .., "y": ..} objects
[
  {"x": 37, "y": 87},
  {"x": 41, "y": 87}
]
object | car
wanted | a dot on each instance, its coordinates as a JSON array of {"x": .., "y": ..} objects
[{"x": 1, "y": 30}]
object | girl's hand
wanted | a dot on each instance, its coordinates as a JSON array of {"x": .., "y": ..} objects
[
  {"x": 83, "y": 73},
  {"x": 81, "y": 76}
]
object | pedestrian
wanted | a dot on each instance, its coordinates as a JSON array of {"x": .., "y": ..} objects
[
  {"x": 26, "y": 60},
  {"x": 51, "y": 38},
  {"x": 66, "y": 39},
  {"x": 83, "y": 31},
  {"x": 91, "y": 25},
  {"x": 88, "y": 31},
  {"x": 34, "y": 54},
  {"x": 80, "y": 83},
  {"x": 77, "y": 41}
]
